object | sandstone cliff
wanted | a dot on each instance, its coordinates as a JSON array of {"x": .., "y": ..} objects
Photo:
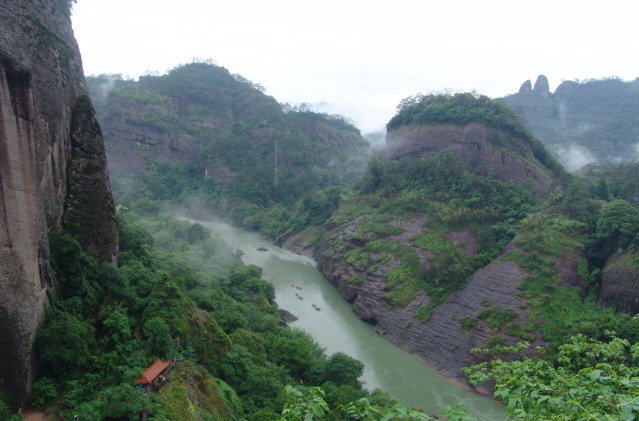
[
  {"x": 52, "y": 171},
  {"x": 443, "y": 341},
  {"x": 480, "y": 148},
  {"x": 620, "y": 282}
]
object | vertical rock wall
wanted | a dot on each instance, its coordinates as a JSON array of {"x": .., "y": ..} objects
[{"x": 52, "y": 171}]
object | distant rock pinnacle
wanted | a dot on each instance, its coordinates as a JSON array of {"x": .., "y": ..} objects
[
  {"x": 541, "y": 86},
  {"x": 526, "y": 86}
]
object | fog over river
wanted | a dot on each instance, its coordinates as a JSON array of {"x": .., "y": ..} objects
[{"x": 338, "y": 329}]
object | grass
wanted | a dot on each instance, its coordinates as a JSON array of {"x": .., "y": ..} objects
[
  {"x": 550, "y": 234},
  {"x": 496, "y": 317},
  {"x": 467, "y": 323}
]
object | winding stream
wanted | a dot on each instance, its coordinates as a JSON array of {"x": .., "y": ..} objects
[{"x": 337, "y": 328}]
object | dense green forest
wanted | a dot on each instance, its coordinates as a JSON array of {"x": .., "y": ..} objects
[
  {"x": 179, "y": 293},
  {"x": 269, "y": 166}
]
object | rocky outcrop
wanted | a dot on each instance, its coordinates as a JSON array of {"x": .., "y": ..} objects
[
  {"x": 442, "y": 341},
  {"x": 526, "y": 86},
  {"x": 130, "y": 145},
  {"x": 620, "y": 282},
  {"x": 52, "y": 171},
  {"x": 480, "y": 149},
  {"x": 541, "y": 86}
]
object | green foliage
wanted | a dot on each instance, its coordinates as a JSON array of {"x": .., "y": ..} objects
[
  {"x": 5, "y": 413},
  {"x": 299, "y": 406},
  {"x": 193, "y": 392},
  {"x": 619, "y": 221},
  {"x": 64, "y": 344},
  {"x": 43, "y": 393},
  {"x": 452, "y": 199},
  {"x": 588, "y": 379},
  {"x": 496, "y": 317},
  {"x": 620, "y": 179},
  {"x": 309, "y": 404},
  {"x": 158, "y": 337},
  {"x": 550, "y": 234},
  {"x": 342, "y": 369},
  {"x": 594, "y": 114},
  {"x": 286, "y": 162},
  {"x": 169, "y": 298},
  {"x": 467, "y": 323}
]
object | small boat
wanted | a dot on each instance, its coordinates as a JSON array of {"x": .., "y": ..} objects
[
  {"x": 298, "y": 287},
  {"x": 316, "y": 307}
]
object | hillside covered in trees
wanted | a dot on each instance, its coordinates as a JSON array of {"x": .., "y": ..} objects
[
  {"x": 465, "y": 243},
  {"x": 218, "y": 138},
  {"x": 582, "y": 122},
  {"x": 444, "y": 254}
]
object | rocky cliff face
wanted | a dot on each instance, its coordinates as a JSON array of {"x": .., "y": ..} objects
[
  {"x": 620, "y": 282},
  {"x": 480, "y": 149},
  {"x": 442, "y": 341},
  {"x": 52, "y": 171}
]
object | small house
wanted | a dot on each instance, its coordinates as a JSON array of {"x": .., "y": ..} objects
[{"x": 154, "y": 376}]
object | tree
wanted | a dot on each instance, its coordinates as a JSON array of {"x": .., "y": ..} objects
[
  {"x": 588, "y": 380},
  {"x": 340, "y": 368},
  {"x": 64, "y": 345},
  {"x": 618, "y": 221},
  {"x": 158, "y": 337}
]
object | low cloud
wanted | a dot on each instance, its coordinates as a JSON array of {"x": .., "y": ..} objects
[{"x": 574, "y": 156}]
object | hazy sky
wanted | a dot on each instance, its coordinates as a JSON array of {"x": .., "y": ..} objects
[{"x": 363, "y": 57}]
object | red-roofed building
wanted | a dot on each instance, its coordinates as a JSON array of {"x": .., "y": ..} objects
[{"x": 155, "y": 375}]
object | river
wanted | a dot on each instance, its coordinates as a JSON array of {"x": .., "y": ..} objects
[{"x": 337, "y": 328}]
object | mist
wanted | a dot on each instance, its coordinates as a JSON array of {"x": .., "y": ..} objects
[{"x": 575, "y": 156}]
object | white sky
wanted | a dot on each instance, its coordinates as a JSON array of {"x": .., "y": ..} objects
[{"x": 363, "y": 57}]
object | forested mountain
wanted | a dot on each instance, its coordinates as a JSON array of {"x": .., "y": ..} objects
[
  {"x": 217, "y": 133},
  {"x": 465, "y": 233},
  {"x": 593, "y": 121},
  {"x": 445, "y": 248}
]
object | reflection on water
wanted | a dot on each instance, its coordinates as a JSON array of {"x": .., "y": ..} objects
[{"x": 338, "y": 329}]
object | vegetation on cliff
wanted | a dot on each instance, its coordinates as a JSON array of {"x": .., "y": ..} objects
[
  {"x": 178, "y": 293},
  {"x": 450, "y": 199},
  {"x": 583, "y": 122},
  {"x": 588, "y": 379},
  {"x": 463, "y": 108},
  {"x": 249, "y": 156}
]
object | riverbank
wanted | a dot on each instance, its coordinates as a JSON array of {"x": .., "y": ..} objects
[{"x": 338, "y": 329}]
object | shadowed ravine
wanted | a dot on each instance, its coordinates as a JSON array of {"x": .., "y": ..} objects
[{"x": 338, "y": 329}]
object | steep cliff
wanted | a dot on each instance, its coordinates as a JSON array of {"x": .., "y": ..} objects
[
  {"x": 52, "y": 171},
  {"x": 620, "y": 282},
  {"x": 440, "y": 250},
  {"x": 482, "y": 149},
  {"x": 486, "y": 137},
  {"x": 498, "y": 303}
]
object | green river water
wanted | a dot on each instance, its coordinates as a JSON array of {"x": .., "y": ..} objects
[{"x": 338, "y": 329}]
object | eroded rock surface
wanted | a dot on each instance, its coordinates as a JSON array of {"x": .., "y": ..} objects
[
  {"x": 480, "y": 149},
  {"x": 51, "y": 160},
  {"x": 442, "y": 342},
  {"x": 620, "y": 282}
]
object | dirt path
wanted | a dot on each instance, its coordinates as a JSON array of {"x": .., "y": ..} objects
[{"x": 33, "y": 414}]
